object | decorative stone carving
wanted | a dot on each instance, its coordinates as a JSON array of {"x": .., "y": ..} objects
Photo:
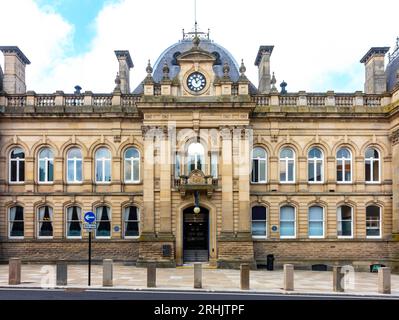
[{"x": 395, "y": 137}]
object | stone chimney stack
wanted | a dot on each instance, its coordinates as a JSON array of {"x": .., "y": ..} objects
[
  {"x": 125, "y": 64},
  {"x": 14, "y": 70},
  {"x": 375, "y": 78},
  {"x": 263, "y": 63}
]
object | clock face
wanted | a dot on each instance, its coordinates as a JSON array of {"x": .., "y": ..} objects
[{"x": 196, "y": 82}]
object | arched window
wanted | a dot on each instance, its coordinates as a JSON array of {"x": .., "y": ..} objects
[
  {"x": 195, "y": 157},
  {"x": 103, "y": 165},
  {"x": 16, "y": 222},
  {"x": 345, "y": 221},
  {"x": 287, "y": 165},
  {"x": 132, "y": 165},
  {"x": 373, "y": 222},
  {"x": 259, "y": 221},
  {"x": 315, "y": 165},
  {"x": 287, "y": 222},
  {"x": 316, "y": 222},
  {"x": 259, "y": 162},
  {"x": 372, "y": 165},
  {"x": 74, "y": 165},
  {"x": 17, "y": 165},
  {"x": 45, "y": 222},
  {"x": 344, "y": 165},
  {"x": 74, "y": 222},
  {"x": 46, "y": 165},
  {"x": 131, "y": 222},
  {"x": 103, "y": 219}
]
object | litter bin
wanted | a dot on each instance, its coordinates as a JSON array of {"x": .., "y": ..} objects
[{"x": 270, "y": 262}]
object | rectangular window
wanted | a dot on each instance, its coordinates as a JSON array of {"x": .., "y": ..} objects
[
  {"x": 344, "y": 221},
  {"x": 311, "y": 171},
  {"x": 259, "y": 222},
  {"x": 45, "y": 222},
  {"x": 71, "y": 171},
  {"x": 74, "y": 222},
  {"x": 283, "y": 172},
  {"x": 103, "y": 219},
  {"x": 131, "y": 222},
  {"x": 316, "y": 222},
  {"x": 319, "y": 170},
  {"x": 16, "y": 222},
  {"x": 287, "y": 222},
  {"x": 79, "y": 170},
  {"x": 373, "y": 222}
]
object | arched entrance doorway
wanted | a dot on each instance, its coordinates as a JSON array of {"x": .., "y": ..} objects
[{"x": 195, "y": 235}]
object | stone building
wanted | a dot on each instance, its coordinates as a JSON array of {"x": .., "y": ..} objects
[{"x": 199, "y": 164}]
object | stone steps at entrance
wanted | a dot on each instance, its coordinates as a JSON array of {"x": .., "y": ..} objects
[{"x": 195, "y": 256}]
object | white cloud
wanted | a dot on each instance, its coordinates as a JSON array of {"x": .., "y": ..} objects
[{"x": 315, "y": 41}]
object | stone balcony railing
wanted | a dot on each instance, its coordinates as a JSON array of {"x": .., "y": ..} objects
[
  {"x": 330, "y": 98},
  {"x": 31, "y": 99},
  {"x": 68, "y": 100}
]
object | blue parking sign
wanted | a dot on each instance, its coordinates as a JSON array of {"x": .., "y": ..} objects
[{"x": 90, "y": 217}]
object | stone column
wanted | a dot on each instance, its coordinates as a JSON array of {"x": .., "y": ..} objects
[
  {"x": 331, "y": 173},
  {"x": 288, "y": 277},
  {"x": 384, "y": 280},
  {"x": 14, "y": 271},
  {"x": 151, "y": 275},
  {"x": 358, "y": 176},
  {"x": 395, "y": 184},
  {"x": 116, "y": 174},
  {"x": 148, "y": 185},
  {"x": 274, "y": 172},
  {"x": 197, "y": 275},
  {"x": 165, "y": 184},
  {"x": 62, "y": 273},
  {"x": 88, "y": 174},
  {"x": 302, "y": 173},
  {"x": 227, "y": 182},
  {"x": 244, "y": 277},
  {"x": 107, "y": 273},
  {"x": 338, "y": 278}
]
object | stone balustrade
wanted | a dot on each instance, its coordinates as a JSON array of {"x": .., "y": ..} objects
[{"x": 301, "y": 98}]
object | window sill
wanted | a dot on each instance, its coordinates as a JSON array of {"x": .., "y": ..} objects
[
  {"x": 103, "y": 183},
  {"x": 102, "y": 238},
  {"x": 318, "y": 182},
  {"x": 131, "y": 238},
  {"x": 289, "y": 182},
  {"x": 74, "y": 182},
  {"x": 345, "y": 237},
  {"x": 16, "y": 238},
  {"x": 45, "y": 238},
  {"x": 259, "y": 237},
  {"x": 15, "y": 183},
  {"x": 74, "y": 238},
  {"x": 288, "y": 238},
  {"x": 255, "y": 183},
  {"x": 133, "y": 182},
  {"x": 316, "y": 237},
  {"x": 344, "y": 182},
  {"x": 373, "y": 182},
  {"x": 373, "y": 237},
  {"x": 45, "y": 183}
]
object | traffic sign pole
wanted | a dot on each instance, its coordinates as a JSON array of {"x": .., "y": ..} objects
[{"x": 89, "y": 276}]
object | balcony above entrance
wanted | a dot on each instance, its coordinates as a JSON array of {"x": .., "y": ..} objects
[{"x": 196, "y": 181}]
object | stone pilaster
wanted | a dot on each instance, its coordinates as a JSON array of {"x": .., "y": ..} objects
[
  {"x": 165, "y": 184},
  {"x": 29, "y": 174},
  {"x": 227, "y": 181},
  {"x": 148, "y": 183},
  {"x": 395, "y": 183}
]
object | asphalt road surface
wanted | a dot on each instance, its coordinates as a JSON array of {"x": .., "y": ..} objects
[{"x": 81, "y": 294}]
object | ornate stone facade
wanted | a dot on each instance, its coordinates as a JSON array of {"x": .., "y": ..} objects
[{"x": 193, "y": 143}]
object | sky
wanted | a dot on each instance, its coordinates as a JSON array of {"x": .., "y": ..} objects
[{"x": 318, "y": 44}]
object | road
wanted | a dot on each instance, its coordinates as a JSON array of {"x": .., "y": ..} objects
[{"x": 81, "y": 294}]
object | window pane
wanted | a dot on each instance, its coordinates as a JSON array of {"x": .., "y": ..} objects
[
  {"x": 128, "y": 170},
  {"x": 74, "y": 221},
  {"x": 75, "y": 153},
  {"x": 16, "y": 220},
  {"x": 99, "y": 170},
  {"x": 103, "y": 153},
  {"x": 259, "y": 153},
  {"x": 368, "y": 171},
  {"x": 131, "y": 213},
  {"x": 283, "y": 175},
  {"x": 315, "y": 153},
  {"x": 50, "y": 169},
  {"x": 339, "y": 170},
  {"x": 21, "y": 171},
  {"x": 136, "y": 170},
  {"x": 71, "y": 170},
  {"x": 17, "y": 153},
  {"x": 316, "y": 213},
  {"x": 45, "y": 222},
  {"x": 287, "y": 228},
  {"x": 255, "y": 170},
  {"x": 287, "y": 213},
  {"x": 214, "y": 165},
  {"x": 103, "y": 223},
  {"x": 259, "y": 228},
  {"x": 79, "y": 170},
  {"x": 42, "y": 168},
  {"x": 347, "y": 170},
  {"x": 311, "y": 171},
  {"x": 286, "y": 153},
  {"x": 343, "y": 153},
  {"x": 177, "y": 166},
  {"x": 346, "y": 228},
  {"x": 107, "y": 170},
  {"x": 376, "y": 174},
  {"x": 131, "y": 229},
  {"x": 262, "y": 171},
  {"x": 291, "y": 170},
  {"x": 319, "y": 170},
  {"x": 315, "y": 229},
  {"x": 132, "y": 153},
  {"x": 259, "y": 213},
  {"x": 13, "y": 168}
]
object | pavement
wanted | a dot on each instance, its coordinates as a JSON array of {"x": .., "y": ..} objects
[{"x": 130, "y": 278}]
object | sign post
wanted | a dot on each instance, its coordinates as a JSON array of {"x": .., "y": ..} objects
[{"x": 89, "y": 225}]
